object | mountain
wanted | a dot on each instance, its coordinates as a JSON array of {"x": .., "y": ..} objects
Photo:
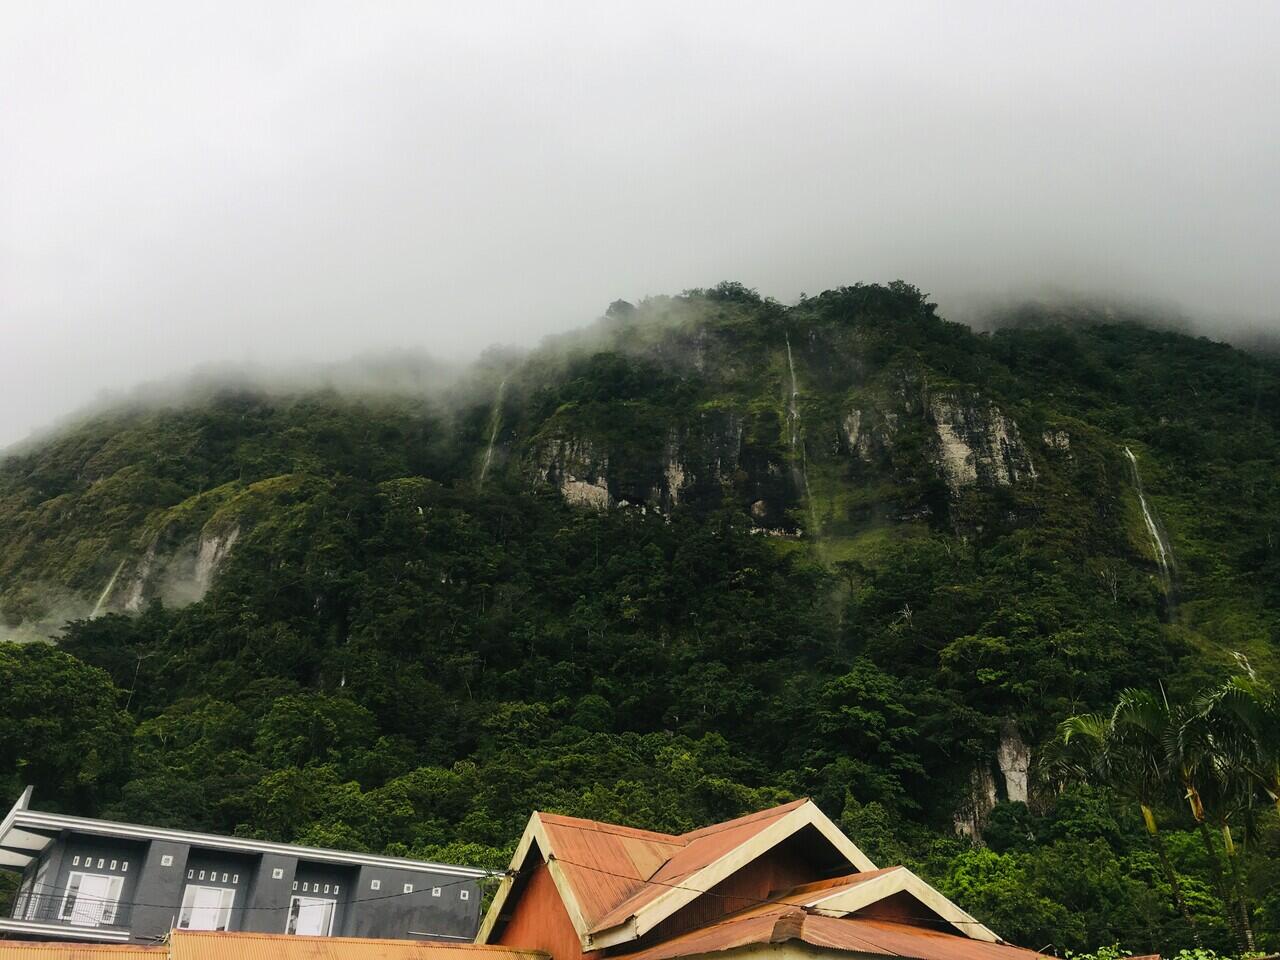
[{"x": 709, "y": 553}]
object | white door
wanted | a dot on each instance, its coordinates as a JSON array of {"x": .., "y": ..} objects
[
  {"x": 206, "y": 908},
  {"x": 93, "y": 899},
  {"x": 311, "y": 916}
]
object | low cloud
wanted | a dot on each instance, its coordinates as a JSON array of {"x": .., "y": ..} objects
[{"x": 287, "y": 185}]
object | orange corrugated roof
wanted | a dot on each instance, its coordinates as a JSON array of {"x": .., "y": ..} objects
[
  {"x": 32, "y": 950},
  {"x": 210, "y": 945},
  {"x": 614, "y": 871},
  {"x": 854, "y": 934}
]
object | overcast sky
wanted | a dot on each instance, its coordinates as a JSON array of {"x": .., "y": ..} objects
[{"x": 185, "y": 183}]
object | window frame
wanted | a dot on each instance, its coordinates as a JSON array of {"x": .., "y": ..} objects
[
  {"x": 292, "y": 919},
  {"x": 225, "y": 909},
  {"x": 109, "y": 906}
]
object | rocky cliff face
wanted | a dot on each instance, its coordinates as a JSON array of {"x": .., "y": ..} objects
[{"x": 976, "y": 444}]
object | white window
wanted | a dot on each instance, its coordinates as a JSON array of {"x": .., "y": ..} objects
[
  {"x": 90, "y": 900},
  {"x": 75, "y": 861},
  {"x": 465, "y": 895},
  {"x": 113, "y": 864},
  {"x": 295, "y": 884},
  {"x": 206, "y": 908},
  {"x": 277, "y": 873},
  {"x": 435, "y": 891},
  {"x": 326, "y": 888},
  {"x": 336, "y": 888},
  {"x": 235, "y": 878},
  {"x": 166, "y": 860},
  {"x": 311, "y": 916},
  {"x": 101, "y": 861},
  {"x": 375, "y": 884},
  {"x": 124, "y": 867},
  {"x": 408, "y": 888}
]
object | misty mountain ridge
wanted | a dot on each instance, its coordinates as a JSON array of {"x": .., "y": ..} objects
[
  {"x": 884, "y": 418},
  {"x": 709, "y": 552}
]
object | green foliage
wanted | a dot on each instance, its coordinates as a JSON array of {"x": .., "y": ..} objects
[{"x": 392, "y": 657}]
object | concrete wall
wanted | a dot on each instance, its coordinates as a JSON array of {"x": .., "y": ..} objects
[
  {"x": 391, "y": 912},
  {"x": 159, "y": 890},
  {"x": 152, "y": 891},
  {"x": 267, "y": 903}
]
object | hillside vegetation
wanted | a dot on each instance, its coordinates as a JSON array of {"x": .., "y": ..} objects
[{"x": 706, "y": 555}]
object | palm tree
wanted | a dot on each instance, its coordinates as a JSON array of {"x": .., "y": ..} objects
[
  {"x": 1232, "y": 733},
  {"x": 1124, "y": 749}
]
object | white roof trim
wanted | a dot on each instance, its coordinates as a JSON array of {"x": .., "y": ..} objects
[
  {"x": 693, "y": 886},
  {"x": 16, "y": 839},
  {"x": 9, "y": 858},
  {"x": 534, "y": 833},
  {"x": 106, "y": 828},
  {"x": 862, "y": 895}
]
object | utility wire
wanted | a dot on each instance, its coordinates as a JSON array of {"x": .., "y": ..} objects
[
  {"x": 583, "y": 825},
  {"x": 818, "y": 911},
  {"x": 32, "y": 895}
]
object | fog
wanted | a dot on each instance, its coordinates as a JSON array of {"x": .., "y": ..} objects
[{"x": 185, "y": 185}]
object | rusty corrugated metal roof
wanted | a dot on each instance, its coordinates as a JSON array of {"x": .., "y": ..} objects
[
  {"x": 605, "y": 864},
  {"x": 615, "y": 870},
  {"x": 32, "y": 950},
  {"x": 854, "y": 934},
  {"x": 210, "y": 945}
]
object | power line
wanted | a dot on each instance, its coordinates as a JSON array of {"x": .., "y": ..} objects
[
  {"x": 590, "y": 826},
  {"x": 32, "y": 895},
  {"x": 755, "y": 900}
]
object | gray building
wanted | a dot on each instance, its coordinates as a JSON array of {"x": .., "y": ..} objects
[{"x": 108, "y": 882}]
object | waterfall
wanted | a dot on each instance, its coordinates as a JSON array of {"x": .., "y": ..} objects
[
  {"x": 794, "y": 425},
  {"x": 1159, "y": 543},
  {"x": 106, "y": 592},
  {"x": 495, "y": 423}
]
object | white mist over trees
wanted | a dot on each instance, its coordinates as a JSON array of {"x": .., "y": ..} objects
[{"x": 238, "y": 183}]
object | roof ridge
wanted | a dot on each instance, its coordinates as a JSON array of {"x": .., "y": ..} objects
[
  {"x": 774, "y": 811},
  {"x": 613, "y": 829}
]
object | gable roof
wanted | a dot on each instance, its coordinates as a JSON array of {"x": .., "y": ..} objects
[{"x": 617, "y": 883}]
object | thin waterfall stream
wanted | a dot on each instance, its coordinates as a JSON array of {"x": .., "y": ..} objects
[
  {"x": 106, "y": 591},
  {"x": 794, "y": 425},
  {"x": 495, "y": 424},
  {"x": 1159, "y": 542}
]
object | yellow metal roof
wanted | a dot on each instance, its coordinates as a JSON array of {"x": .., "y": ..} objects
[
  {"x": 200, "y": 945},
  {"x": 23, "y": 950}
]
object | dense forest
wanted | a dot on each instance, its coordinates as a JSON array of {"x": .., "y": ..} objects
[{"x": 708, "y": 554}]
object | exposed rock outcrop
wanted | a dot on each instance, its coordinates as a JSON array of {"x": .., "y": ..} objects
[
  {"x": 976, "y": 443},
  {"x": 977, "y": 803},
  {"x": 1014, "y": 759},
  {"x": 575, "y": 467}
]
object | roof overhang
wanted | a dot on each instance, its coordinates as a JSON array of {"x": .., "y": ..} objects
[
  {"x": 900, "y": 880},
  {"x": 22, "y": 821}
]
